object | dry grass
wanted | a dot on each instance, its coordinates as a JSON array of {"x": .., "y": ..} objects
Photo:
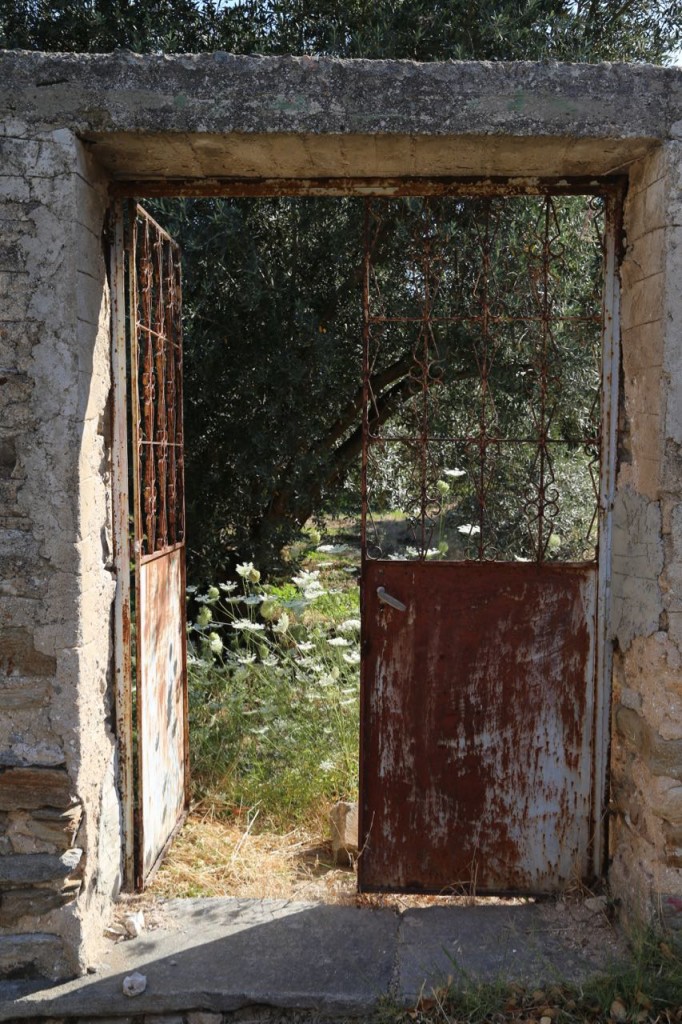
[
  {"x": 212, "y": 857},
  {"x": 233, "y": 858}
]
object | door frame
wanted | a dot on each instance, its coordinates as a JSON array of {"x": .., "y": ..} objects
[{"x": 612, "y": 189}]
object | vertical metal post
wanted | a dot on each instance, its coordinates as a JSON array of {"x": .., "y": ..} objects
[
  {"x": 365, "y": 376},
  {"x": 607, "y": 486},
  {"x": 122, "y": 615}
]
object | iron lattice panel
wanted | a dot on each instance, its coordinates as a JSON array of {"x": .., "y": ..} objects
[
  {"x": 156, "y": 380},
  {"x": 483, "y": 322}
]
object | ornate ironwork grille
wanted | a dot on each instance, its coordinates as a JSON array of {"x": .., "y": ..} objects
[
  {"x": 156, "y": 378},
  {"x": 483, "y": 321}
]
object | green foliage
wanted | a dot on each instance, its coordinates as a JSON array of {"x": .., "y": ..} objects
[
  {"x": 272, "y": 358},
  {"x": 424, "y": 30},
  {"x": 273, "y": 693}
]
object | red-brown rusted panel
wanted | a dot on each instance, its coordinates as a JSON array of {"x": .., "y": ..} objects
[
  {"x": 156, "y": 385},
  {"x": 477, "y": 709},
  {"x": 161, "y": 702}
]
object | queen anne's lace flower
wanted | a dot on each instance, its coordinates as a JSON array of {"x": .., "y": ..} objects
[
  {"x": 215, "y": 643},
  {"x": 203, "y": 616},
  {"x": 349, "y": 626},
  {"x": 247, "y": 571},
  {"x": 282, "y": 624}
]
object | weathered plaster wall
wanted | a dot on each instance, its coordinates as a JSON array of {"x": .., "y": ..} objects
[
  {"x": 646, "y": 829},
  {"x": 56, "y": 747}
]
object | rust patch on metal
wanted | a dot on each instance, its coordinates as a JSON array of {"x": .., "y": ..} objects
[
  {"x": 477, "y": 727},
  {"x": 360, "y": 186}
]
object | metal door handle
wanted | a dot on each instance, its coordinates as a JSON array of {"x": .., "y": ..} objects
[{"x": 390, "y": 600}]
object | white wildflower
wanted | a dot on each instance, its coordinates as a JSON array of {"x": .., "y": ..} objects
[
  {"x": 454, "y": 474},
  {"x": 247, "y": 571},
  {"x": 469, "y": 529},
  {"x": 352, "y": 657},
  {"x": 215, "y": 643},
  {"x": 282, "y": 624},
  {"x": 326, "y": 766},
  {"x": 227, "y": 588},
  {"x": 332, "y": 549},
  {"x": 246, "y": 659},
  {"x": 306, "y": 579},
  {"x": 338, "y": 641},
  {"x": 247, "y": 624},
  {"x": 349, "y": 626},
  {"x": 305, "y": 645}
]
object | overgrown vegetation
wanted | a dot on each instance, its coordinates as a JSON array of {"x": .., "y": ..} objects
[{"x": 273, "y": 682}]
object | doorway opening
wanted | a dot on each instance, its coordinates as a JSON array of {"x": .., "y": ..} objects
[{"x": 474, "y": 507}]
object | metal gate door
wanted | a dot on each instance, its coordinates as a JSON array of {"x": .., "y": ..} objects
[
  {"x": 148, "y": 353},
  {"x": 483, "y": 607}
]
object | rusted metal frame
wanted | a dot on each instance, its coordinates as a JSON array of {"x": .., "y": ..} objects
[
  {"x": 169, "y": 328},
  {"x": 389, "y": 187},
  {"x": 180, "y": 491},
  {"x": 179, "y": 385},
  {"x": 133, "y": 230},
  {"x": 422, "y": 360},
  {"x": 145, "y": 271},
  {"x": 608, "y": 455},
  {"x": 492, "y": 319},
  {"x": 160, "y": 446},
  {"x": 472, "y": 439},
  {"x": 542, "y": 376},
  {"x": 365, "y": 379},
  {"x": 122, "y": 613},
  {"x": 153, "y": 555},
  {"x": 145, "y": 216},
  {"x": 483, "y": 378}
]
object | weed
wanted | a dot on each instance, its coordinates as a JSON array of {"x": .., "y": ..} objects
[{"x": 273, "y": 677}]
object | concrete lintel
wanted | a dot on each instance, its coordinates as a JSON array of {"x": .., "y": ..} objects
[{"x": 221, "y": 93}]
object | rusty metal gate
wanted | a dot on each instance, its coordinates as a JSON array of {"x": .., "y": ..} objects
[
  {"x": 152, "y": 714},
  {"x": 491, "y": 319}
]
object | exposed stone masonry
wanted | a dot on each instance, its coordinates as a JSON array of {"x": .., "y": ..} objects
[
  {"x": 53, "y": 685},
  {"x": 72, "y": 125},
  {"x": 646, "y": 830}
]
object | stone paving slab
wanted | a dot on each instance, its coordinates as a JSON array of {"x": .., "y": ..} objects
[
  {"x": 531, "y": 944},
  {"x": 224, "y": 954}
]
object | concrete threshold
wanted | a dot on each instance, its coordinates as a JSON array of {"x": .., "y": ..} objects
[{"x": 222, "y": 955}]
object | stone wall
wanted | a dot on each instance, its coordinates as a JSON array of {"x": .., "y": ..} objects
[
  {"x": 646, "y": 826},
  {"x": 203, "y": 116},
  {"x": 56, "y": 747}
]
